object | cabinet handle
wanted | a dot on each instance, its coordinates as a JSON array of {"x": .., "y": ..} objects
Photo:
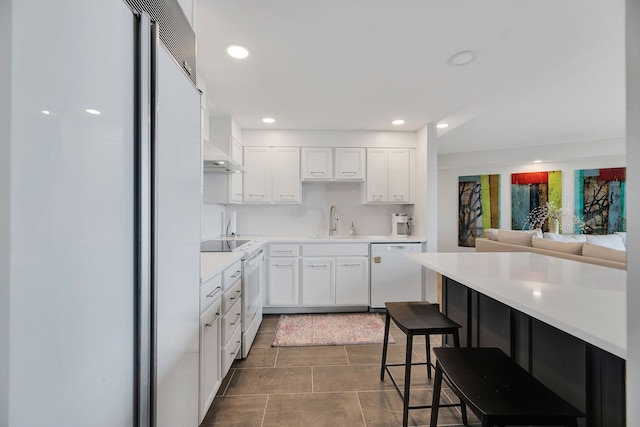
[
  {"x": 236, "y": 274},
  {"x": 290, "y": 196},
  {"x": 317, "y": 173},
  {"x": 213, "y": 292},
  {"x": 237, "y": 194},
  {"x": 211, "y": 322},
  {"x": 376, "y": 196},
  {"x": 398, "y": 196},
  {"x": 348, "y": 173},
  {"x": 349, "y": 265},
  {"x": 236, "y": 319},
  {"x": 283, "y": 265},
  {"x": 318, "y": 265},
  {"x": 284, "y": 252},
  {"x": 256, "y": 195}
]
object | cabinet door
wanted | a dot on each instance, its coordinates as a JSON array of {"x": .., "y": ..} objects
[
  {"x": 210, "y": 361},
  {"x": 377, "y": 175},
  {"x": 235, "y": 179},
  {"x": 349, "y": 164},
  {"x": 256, "y": 180},
  {"x": 286, "y": 175},
  {"x": 282, "y": 283},
  {"x": 318, "y": 281},
  {"x": 352, "y": 280},
  {"x": 399, "y": 175},
  {"x": 317, "y": 164}
]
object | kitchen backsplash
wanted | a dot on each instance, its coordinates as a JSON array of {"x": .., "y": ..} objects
[{"x": 309, "y": 218}]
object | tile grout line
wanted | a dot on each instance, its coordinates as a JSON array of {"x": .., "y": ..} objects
[
  {"x": 364, "y": 420},
  {"x": 224, "y": 393},
  {"x": 264, "y": 413},
  {"x": 312, "y": 379},
  {"x": 346, "y": 353}
]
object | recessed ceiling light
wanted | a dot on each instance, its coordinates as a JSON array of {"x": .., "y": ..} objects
[
  {"x": 268, "y": 120},
  {"x": 46, "y": 112},
  {"x": 237, "y": 51},
  {"x": 92, "y": 111},
  {"x": 397, "y": 122},
  {"x": 442, "y": 125},
  {"x": 537, "y": 161},
  {"x": 462, "y": 58}
]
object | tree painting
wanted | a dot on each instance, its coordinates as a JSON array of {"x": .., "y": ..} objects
[
  {"x": 600, "y": 200},
  {"x": 533, "y": 190},
  {"x": 478, "y": 207}
]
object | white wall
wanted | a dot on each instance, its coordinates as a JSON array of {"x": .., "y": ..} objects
[
  {"x": 633, "y": 207},
  {"x": 571, "y": 157},
  {"x": 5, "y": 164}
]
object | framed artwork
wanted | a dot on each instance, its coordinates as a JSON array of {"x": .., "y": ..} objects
[
  {"x": 600, "y": 200},
  {"x": 478, "y": 207},
  {"x": 532, "y": 190}
]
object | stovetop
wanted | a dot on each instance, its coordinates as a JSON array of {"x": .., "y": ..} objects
[{"x": 221, "y": 245}]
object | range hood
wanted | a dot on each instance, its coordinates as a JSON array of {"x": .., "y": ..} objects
[{"x": 215, "y": 160}]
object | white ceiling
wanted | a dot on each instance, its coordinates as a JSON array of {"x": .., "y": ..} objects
[{"x": 546, "y": 71}]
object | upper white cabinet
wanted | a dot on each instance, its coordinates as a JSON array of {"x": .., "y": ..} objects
[
  {"x": 337, "y": 164},
  {"x": 273, "y": 175},
  {"x": 235, "y": 179},
  {"x": 317, "y": 164},
  {"x": 390, "y": 175}
]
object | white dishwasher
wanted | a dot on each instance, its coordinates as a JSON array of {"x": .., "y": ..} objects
[{"x": 394, "y": 277}]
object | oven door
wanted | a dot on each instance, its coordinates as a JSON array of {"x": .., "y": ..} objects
[{"x": 252, "y": 271}]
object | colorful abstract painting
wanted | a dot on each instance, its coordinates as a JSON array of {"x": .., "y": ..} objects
[
  {"x": 531, "y": 190},
  {"x": 478, "y": 207},
  {"x": 600, "y": 200}
]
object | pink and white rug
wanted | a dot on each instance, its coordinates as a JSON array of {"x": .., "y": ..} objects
[{"x": 298, "y": 330}]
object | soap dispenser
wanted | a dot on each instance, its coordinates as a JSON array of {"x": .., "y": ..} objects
[{"x": 352, "y": 230}]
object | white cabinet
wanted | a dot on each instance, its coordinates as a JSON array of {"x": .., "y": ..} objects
[
  {"x": 231, "y": 330},
  {"x": 318, "y": 281},
  {"x": 349, "y": 164},
  {"x": 390, "y": 175},
  {"x": 286, "y": 174},
  {"x": 352, "y": 280},
  {"x": 333, "y": 164},
  {"x": 273, "y": 175},
  {"x": 281, "y": 287},
  {"x": 257, "y": 164},
  {"x": 210, "y": 335},
  {"x": 235, "y": 179},
  {"x": 317, "y": 163}
]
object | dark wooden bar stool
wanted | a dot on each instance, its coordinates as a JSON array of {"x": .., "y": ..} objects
[
  {"x": 498, "y": 390},
  {"x": 415, "y": 319}
]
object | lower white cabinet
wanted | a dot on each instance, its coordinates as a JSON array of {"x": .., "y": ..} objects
[
  {"x": 282, "y": 282},
  {"x": 352, "y": 280},
  {"x": 318, "y": 281},
  {"x": 210, "y": 345}
]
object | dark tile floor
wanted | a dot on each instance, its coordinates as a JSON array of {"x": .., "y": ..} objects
[{"x": 323, "y": 386}]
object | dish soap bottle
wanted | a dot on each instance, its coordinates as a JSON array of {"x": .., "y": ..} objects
[{"x": 352, "y": 230}]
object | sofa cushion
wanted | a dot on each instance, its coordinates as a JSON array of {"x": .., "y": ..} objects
[
  {"x": 565, "y": 237},
  {"x": 622, "y": 234},
  {"x": 574, "y": 248},
  {"x": 517, "y": 237},
  {"x": 491, "y": 233},
  {"x": 602, "y": 252},
  {"x": 613, "y": 241}
]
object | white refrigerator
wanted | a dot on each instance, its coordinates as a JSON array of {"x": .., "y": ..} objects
[{"x": 99, "y": 291}]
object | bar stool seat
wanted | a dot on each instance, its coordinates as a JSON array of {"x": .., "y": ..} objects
[
  {"x": 416, "y": 318},
  {"x": 498, "y": 390}
]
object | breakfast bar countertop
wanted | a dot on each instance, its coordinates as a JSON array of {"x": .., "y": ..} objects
[{"x": 584, "y": 300}]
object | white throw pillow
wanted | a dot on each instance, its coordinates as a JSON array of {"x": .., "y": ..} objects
[
  {"x": 491, "y": 233},
  {"x": 597, "y": 251},
  {"x": 612, "y": 241},
  {"x": 565, "y": 237},
  {"x": 574, "y": 248},
  {"x": 517, "y": 237},
  {"x": 622, "y": 234}
]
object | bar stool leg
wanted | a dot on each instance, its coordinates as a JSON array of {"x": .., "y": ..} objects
[
  {"x": 385, "y": 344},
  {"x": 427, "y": 340},
  {"x": 435, "y": 399},
  {"x": 407, "y": 380},
  {"x": 463, "y": 407}
]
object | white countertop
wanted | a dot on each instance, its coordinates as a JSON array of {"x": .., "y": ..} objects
[
  {"x": 212, "y": 263},
  {"x": 587, "y": 301}
]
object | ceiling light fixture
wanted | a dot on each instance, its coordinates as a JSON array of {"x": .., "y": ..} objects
[
  {"x": 537, "y": 161},
  {"x": 442, "y": 125},
  {"x": 92, "y": 111},
  {"x": 46, "y": 112},
  {"x": 268, "y": 120},
  {"x": 397, "y": 122},
  {"x": 462, "y": 58},
  {"x": 237, "y": 51}
]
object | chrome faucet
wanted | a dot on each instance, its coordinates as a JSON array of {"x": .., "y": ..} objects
[{"x": 333, "y": 218}]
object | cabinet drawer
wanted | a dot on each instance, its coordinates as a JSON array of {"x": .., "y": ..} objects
[
  {"x": 231, "y": 296},
  {"x": 231, "y": 320},
  {"x": 231, "y": 350},
  {"x": 231, "y": 275},
  {"x": 283, "y": 250},
  {"x": 336, "y": 249},
  {"x": 209, "y": 290}
]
